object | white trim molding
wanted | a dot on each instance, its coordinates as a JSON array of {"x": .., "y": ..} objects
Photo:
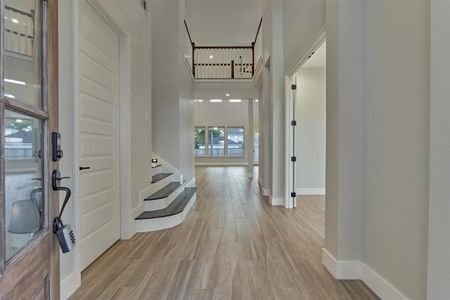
[
  {"x": 310, "y": 191},
  {"x": 69, "y": 285},
  {"x": 355, "y": 269},
  {"x": 265, "y": 192},
  {"x": 276, "y": 201},
  {"x": 192, "y": 182}
]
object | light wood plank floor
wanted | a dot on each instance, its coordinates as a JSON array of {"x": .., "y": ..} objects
[{"x": 232, "y": 245}]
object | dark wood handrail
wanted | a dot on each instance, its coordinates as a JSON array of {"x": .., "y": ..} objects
[
  {"x": 188, "y": 32},
  {"x": 257, "y": 31}
]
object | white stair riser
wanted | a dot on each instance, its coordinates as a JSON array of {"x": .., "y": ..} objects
[
  {"x": 162, "y": 203},
  {"x": 147, "y": 225}
]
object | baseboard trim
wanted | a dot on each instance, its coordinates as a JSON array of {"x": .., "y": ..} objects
[
  {"x": 310, "y": 191},
  {"x": 191, "y": 182},
  {"x": 69, "y": 285},
  {"x": 353, "y": 269},
  {"x": 276, "y": 201}
]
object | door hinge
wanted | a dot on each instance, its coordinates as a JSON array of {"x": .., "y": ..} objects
[
  {"x": 293, "y": 194},
  {"x": 293, "y": 123},
  {"x": 293, "y": 87},
  {"x": 293, "y": 158}
]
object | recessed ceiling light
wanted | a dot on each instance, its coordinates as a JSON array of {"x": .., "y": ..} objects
[
  {"x": 235, "y": 100},
  {"x": 19, "y": 121},
  {"x": 10, "y": 96},
  {"x": 198, "y": 100},
  {"x": 15, "y": 21},
  {"x": 14, "y": 81},
  {"x": 256, "y": 100},
  {"x": 211, "y": 57},
  {"x": 228, "y": 95},
  {"x": 215, "y": 100}
]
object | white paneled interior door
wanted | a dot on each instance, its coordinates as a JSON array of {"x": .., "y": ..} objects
[{"x": 99, "y": 135}]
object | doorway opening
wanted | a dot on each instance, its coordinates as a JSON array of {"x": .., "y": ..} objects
[{"x": 307, "y": 134}]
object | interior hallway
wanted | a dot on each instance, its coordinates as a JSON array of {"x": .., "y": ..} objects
[{"x": 227, "y": 248}]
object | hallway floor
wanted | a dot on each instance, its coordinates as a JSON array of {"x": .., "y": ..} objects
[{"x": 232, "y": 245}]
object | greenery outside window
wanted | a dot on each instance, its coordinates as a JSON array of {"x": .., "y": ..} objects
[
  {"x": 216, "y": 141},
  {"x": 199, "y": 141}
]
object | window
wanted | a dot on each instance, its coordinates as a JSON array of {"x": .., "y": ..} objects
[
  {"x": 199, "y": 141},
  {"x": 18, "y": 137},
  {"x": 235, "y": 141},
  {"x": 210, "y": 141},
  {"x": 216, "y": 141}
]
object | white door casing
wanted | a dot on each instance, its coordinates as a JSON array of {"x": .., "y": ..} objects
[{"x": 99, "y": 192}]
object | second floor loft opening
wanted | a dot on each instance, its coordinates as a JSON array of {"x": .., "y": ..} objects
[{"x": 226, "y": 41}]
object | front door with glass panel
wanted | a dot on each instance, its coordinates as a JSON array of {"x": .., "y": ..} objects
[{"x": 29, "y": 265}]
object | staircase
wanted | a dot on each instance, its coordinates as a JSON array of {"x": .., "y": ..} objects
[{"x": 169, "y": 201}]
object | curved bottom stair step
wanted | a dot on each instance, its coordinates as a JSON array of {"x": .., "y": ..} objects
[
  {"x": 176, "y": 207},
  {"x": 168, "y": 217}
]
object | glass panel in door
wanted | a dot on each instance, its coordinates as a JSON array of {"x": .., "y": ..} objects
[
  {"x": 24, "y": 205},
  {"x": 23, "y": 52}
]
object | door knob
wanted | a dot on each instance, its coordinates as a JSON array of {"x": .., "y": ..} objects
[{"x": 85, "y": 168}]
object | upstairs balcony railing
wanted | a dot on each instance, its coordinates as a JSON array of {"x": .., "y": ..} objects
[
  {"x": 225, "y": 62},
  {"x": 19, "y": 32}
]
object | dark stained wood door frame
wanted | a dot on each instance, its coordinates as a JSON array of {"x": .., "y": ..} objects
[{"x": 34, "y": 272}]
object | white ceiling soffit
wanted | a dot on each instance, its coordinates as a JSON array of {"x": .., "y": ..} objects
[
  {"x": 318, "y": 60},
  {"x": 223, "y": 22}
]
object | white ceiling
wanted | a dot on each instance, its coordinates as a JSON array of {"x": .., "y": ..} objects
[
  {"x": 318, "y": 60},
  {"x": 223, "y": 22}
]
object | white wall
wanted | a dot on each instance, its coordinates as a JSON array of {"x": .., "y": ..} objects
[
  {"x": 377, "y": 137},
  {"x": 311, "y": 131},
  {"x": 396, "y": 141},
  {"x": 222, "y": 114},
  {"x": 165, "y": 74},
  {"x": 273, "y": 67},
  {"x": 173, "y": 88},
  {"x": 213, "y": 90},
  {"x": 134, "y": 25},
  {"x": 303, "y": 23},
  {"x": 439, "y": 205}
]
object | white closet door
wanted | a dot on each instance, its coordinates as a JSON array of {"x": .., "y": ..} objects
[{"x": 98, "y": 148}]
